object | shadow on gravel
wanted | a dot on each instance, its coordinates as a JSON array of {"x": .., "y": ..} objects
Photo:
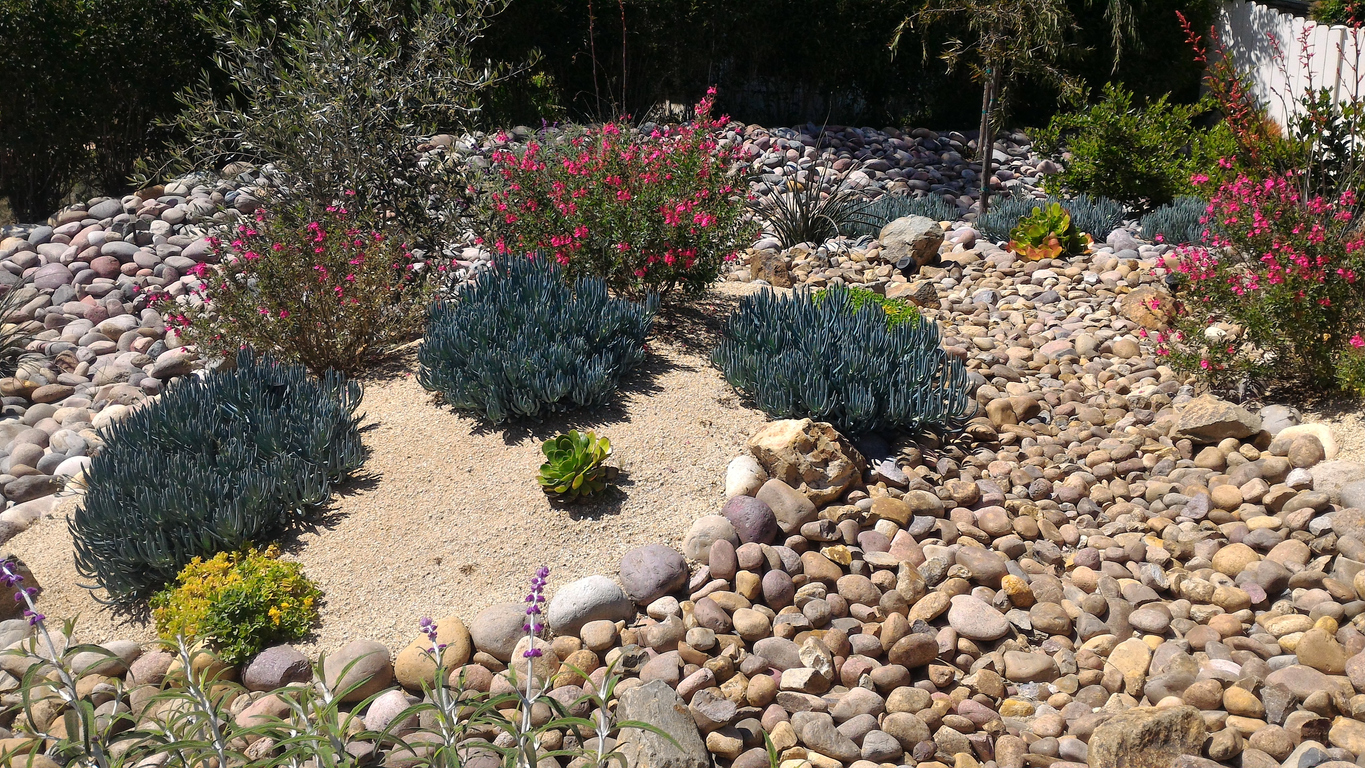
[
  {"x": 639, "y": 383},
  {"x": 694, "y": 327}
]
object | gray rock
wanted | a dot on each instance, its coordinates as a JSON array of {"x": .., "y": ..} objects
[
  {"x": 105, "y": 210},
  {"x": 911, "y": 241},
  {"x": 588, "y": 599},
  {"x": 660, "y": 706},
  {"x": 497, "y": 629},
  {"x": 1275, "y": 418},
  {"x": 1330, "y": 477}
]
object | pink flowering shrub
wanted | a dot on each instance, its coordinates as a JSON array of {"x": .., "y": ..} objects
[
  {"x": 1351, "y": 366},
  {"x": 646, "y": 213},
  {"x": 1280, "y": 290},
  {"x": 322, "y": 289}
]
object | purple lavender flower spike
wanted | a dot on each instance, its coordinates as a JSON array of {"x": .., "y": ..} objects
[{"x": 533, "y": 602}]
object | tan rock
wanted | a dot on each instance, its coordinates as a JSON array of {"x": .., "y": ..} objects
[{"x": 810, "y": 456}]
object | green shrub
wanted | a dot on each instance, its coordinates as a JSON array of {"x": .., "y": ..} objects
[
  {"x": 1141, "y": 157},
  {"x": 215, "y": 464},
  {"x": 238, "y": 603},
  {"x": 338, "y": 99},
  {"x": 520, "y": 342},
  {"x": 801, "y": 357},
  {"x": 1351, "y": 367},
  {"x": 1177, "y": 222},
  {"x": 888, "y": 208},
  {"x": 314, "y": 287},
  {"x": 648, "y": 213},
  {"x": 1047, "y": 233},
  {"x": 574, "y": 467},
  {"x": 898, "y": 311}
]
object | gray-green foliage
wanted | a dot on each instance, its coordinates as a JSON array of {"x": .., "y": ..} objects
[
  {"x": 798, "y": 357},
  {"x": 338, "y": 99},
  {"x": 1177, "y": 222},
  {"x": 521, "y": 342},
  {"x": 214, "y": 464},
  {"x": 1095, "y": 216},
  {"x": 888, "y": 208}
]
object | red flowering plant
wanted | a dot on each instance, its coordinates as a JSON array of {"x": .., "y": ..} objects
[
  {"x": 645, "y": 212},
  {"x": 1278, "y": 290},
  {"x": 322, "y": 289}
]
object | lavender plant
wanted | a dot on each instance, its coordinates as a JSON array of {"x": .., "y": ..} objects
[{"x": 189, "y": 723}]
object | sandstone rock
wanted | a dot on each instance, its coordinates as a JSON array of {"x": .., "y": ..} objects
[
  {"x": 1208, "y": 419},
  {"x": 360, "y": 669},
  {"x": 911, "y": 241},
  {"x": 1146, "y": 738},
  {"x": 811, "y": 457}
]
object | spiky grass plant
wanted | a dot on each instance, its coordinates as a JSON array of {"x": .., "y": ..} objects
[
  {"x": 15, "y": 337},
  {"x": 803, "y": 212}
]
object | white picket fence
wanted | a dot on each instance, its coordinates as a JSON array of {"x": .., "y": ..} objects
[{"x": 1286, "y": 54}]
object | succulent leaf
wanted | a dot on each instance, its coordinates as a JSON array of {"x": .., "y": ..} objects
[{"x": 575, "y": 469}]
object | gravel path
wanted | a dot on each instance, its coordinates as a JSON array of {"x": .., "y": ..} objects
[{"x": 451, "y": 518}]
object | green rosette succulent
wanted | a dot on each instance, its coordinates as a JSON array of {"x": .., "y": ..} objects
[{"x": 574, "y": 468}]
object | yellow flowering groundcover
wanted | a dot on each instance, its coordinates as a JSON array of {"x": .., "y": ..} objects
[{"x": 238, "y": 603}]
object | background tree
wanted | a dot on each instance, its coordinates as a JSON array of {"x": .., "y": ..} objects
[{"x": 1002, "y": 43}]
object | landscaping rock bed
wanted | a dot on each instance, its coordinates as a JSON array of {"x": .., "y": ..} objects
[{"x": 1106, "y": 569}]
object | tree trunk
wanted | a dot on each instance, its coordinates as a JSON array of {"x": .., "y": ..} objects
[{"x": 984, "y": 142}]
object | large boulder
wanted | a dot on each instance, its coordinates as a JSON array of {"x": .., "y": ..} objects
[
  {"x": 652, "y": 571},
  {"x": 360, "y": 669},
  {"x": 497, "y": 628},
  {"x": 1206, "y": 419},
  {"x": 588, "y": 599},
  {"x": 1145, "y": 737},
  {"x": 660, "y": 706},
  {"x": 911, "y": 241},
  {"x": 810, "y": 456}
]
